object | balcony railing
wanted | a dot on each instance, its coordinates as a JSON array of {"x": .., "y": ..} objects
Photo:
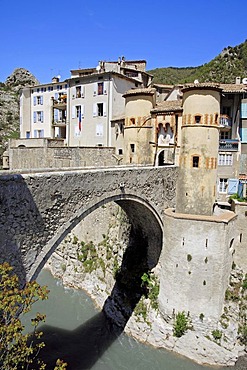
[
  {"x": 225, "y": 120},
  {"x": 61, "y": 122},
  {"x": 228, "y": 145}
]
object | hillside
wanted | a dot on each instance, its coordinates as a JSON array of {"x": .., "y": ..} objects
[
  {"x": 9, "y": 105},
  {"x": 229, "y": 64}
]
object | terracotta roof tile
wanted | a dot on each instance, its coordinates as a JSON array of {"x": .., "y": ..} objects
[
  {"x": 168, "y": 106},
  {"x": 145, "y": 91}
]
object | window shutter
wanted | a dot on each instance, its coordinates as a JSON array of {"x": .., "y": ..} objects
[
  {"x": 41, "y": 100},
  {"x": 35, "y": 133},
  {"x": 41, "y": 133},
  {"x": 73, "y": 111},
  {"x": 34, "y": 117},
  {"x": 232, "y": 186},
  {"x": 95, "y": 110},
  {"x": 56, "y": 115},
  {"x": 82, "y": 111},
  {"x": 34, "y": 100},
  {"x": 105, "y": 88},
  {"x": 73, "y": 92},
  {"x": 56, "y": 96},
  {"x": 83, "y": 91},
  {"x": 95, "y": 88},
  {"x": 104, "y": 109},
  {"x": 42, "y": 117}
]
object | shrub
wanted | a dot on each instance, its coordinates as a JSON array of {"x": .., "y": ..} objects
[
  {"x": 217, "y": 334},
  {"x": 180, "y": 324}
]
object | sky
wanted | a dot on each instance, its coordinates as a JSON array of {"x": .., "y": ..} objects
[{"x": 50, "y": 38}]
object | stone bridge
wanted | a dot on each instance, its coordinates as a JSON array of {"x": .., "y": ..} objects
[{"x": 39, "y": 209}]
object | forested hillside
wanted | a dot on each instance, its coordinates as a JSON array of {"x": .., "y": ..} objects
[{"x": 229, "y": 64}]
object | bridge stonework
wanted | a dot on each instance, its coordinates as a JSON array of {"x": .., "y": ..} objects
[{"x": 38, "y": 210}]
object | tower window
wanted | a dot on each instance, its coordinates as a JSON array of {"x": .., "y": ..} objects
[
  {"x": 195, "y": 161},
  {"x": 132, "y": 121},
  {"x": 132, "y": 148},
  {"x": 198, "y": 119}
]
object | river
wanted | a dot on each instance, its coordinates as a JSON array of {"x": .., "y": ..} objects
[{"x": 78, "y": 333}]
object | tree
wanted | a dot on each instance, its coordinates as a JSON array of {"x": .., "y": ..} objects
[{"x": 17, "y": 349}]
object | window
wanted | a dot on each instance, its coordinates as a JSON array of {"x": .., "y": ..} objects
[
  {"x": 78, "y": 111},
  {"x": 100, "y": 107},
  {"x": 132, "y": 121},
  {"x": 27, "y": 134},
  {"x": 224, "y": 135},
  {"x": 132, "y": 148},
  {"x": 120, "y": 151},
  {"x": 100, "y": 88},
  {"x": 195, "y": 161},
  {"x": 78, "y": 91},
  {"x": 40, "y": 117},
  {"x": 198, "y": 119},
  {"x": 38, "y": 133},
  {"x": 222, "y": 185},
  {"x": 225, "y": 159},
  {"x": 39, "y": 100}
]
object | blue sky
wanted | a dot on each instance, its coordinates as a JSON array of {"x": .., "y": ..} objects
[{"x": 52, "y": 37}]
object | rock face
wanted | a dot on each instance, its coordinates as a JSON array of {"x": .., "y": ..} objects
[
  {"x": 96, "y": 257},
  {"x": 9, "y": 105}
]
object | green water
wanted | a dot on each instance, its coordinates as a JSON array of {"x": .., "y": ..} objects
[{"x": 78, "y": 333}]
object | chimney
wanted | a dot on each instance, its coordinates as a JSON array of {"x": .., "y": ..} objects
[{"x": 238, "y": 80}]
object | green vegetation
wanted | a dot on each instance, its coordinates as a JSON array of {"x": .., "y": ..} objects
[
  {"x": 181, "y": 324},
  {"x": 150, "y": 281},
  {"x": 244, "y": 285},
  {"x": 237, "y": 197},
  {"x": 141, "y": 309},
  {"x": 17, "y": 349},
  {"x": 224, "y": 68},
  {"x": 217, "y": 334}
]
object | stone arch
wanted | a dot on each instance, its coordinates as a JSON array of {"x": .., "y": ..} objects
[{"x": 145, "y": 219}]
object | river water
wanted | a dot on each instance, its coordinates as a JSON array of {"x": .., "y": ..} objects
[{"x": 78, "y": 333}]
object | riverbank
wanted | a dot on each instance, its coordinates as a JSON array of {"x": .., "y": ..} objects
[{"x": 97, "y": 258}]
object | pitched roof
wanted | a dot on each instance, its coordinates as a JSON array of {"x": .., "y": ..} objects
[
  {"x": 233, "y": 88},
  {"x": 168, "y": 106},
  {"x": 142, "y": 91}
]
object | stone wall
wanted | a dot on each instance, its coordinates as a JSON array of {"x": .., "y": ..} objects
[
  {"x": 60, "y": 157},
  {"x": 39, "y": 210}
]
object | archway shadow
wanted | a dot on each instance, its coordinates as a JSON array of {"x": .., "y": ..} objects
[{"x": 82, "y": 347}]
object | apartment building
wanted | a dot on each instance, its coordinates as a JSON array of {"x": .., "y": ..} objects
[{"x": 85, "y": 110}]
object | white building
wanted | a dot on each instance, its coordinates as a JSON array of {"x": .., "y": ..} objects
[{"x": 84, "y": 110}]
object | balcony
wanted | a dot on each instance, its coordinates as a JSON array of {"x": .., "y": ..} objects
[
  {"x": 60, "y": 103},
  {"x": 59, "y": 123},
  {"x": 225, "y": 121},
  {"x": 228, "y": 145}
]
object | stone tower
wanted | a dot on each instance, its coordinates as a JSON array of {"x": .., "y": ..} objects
[
  {"x": 196, "y": 190},
  {"x": 138, "y": 130}
]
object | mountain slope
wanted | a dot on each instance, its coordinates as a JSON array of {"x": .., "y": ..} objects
[
  {"x": 9, "y": 105},
  {"x": 229, "y": 64}
]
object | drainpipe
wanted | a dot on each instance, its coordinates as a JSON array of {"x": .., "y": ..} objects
[{"x": 109, "y": 113}]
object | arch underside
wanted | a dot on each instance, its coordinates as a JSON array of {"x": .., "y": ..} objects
[{"x": 145, "y": 221}]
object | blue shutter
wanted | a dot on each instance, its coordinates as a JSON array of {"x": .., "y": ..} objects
[
  {"x": 56, "y": 96},
  {"x": 232, "y": 186},
  {"x": 56, "y": 115},
  {"x": 243, "y": 110},
  {"x": 42, "y": 116},
  {"x": 41, "y": 100},
  {"x": 240, "y": 190},
  {"x": 35, "y": 133},
  {"x": 34, "y": 100},
  {"x": 34, "y": 117}
]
